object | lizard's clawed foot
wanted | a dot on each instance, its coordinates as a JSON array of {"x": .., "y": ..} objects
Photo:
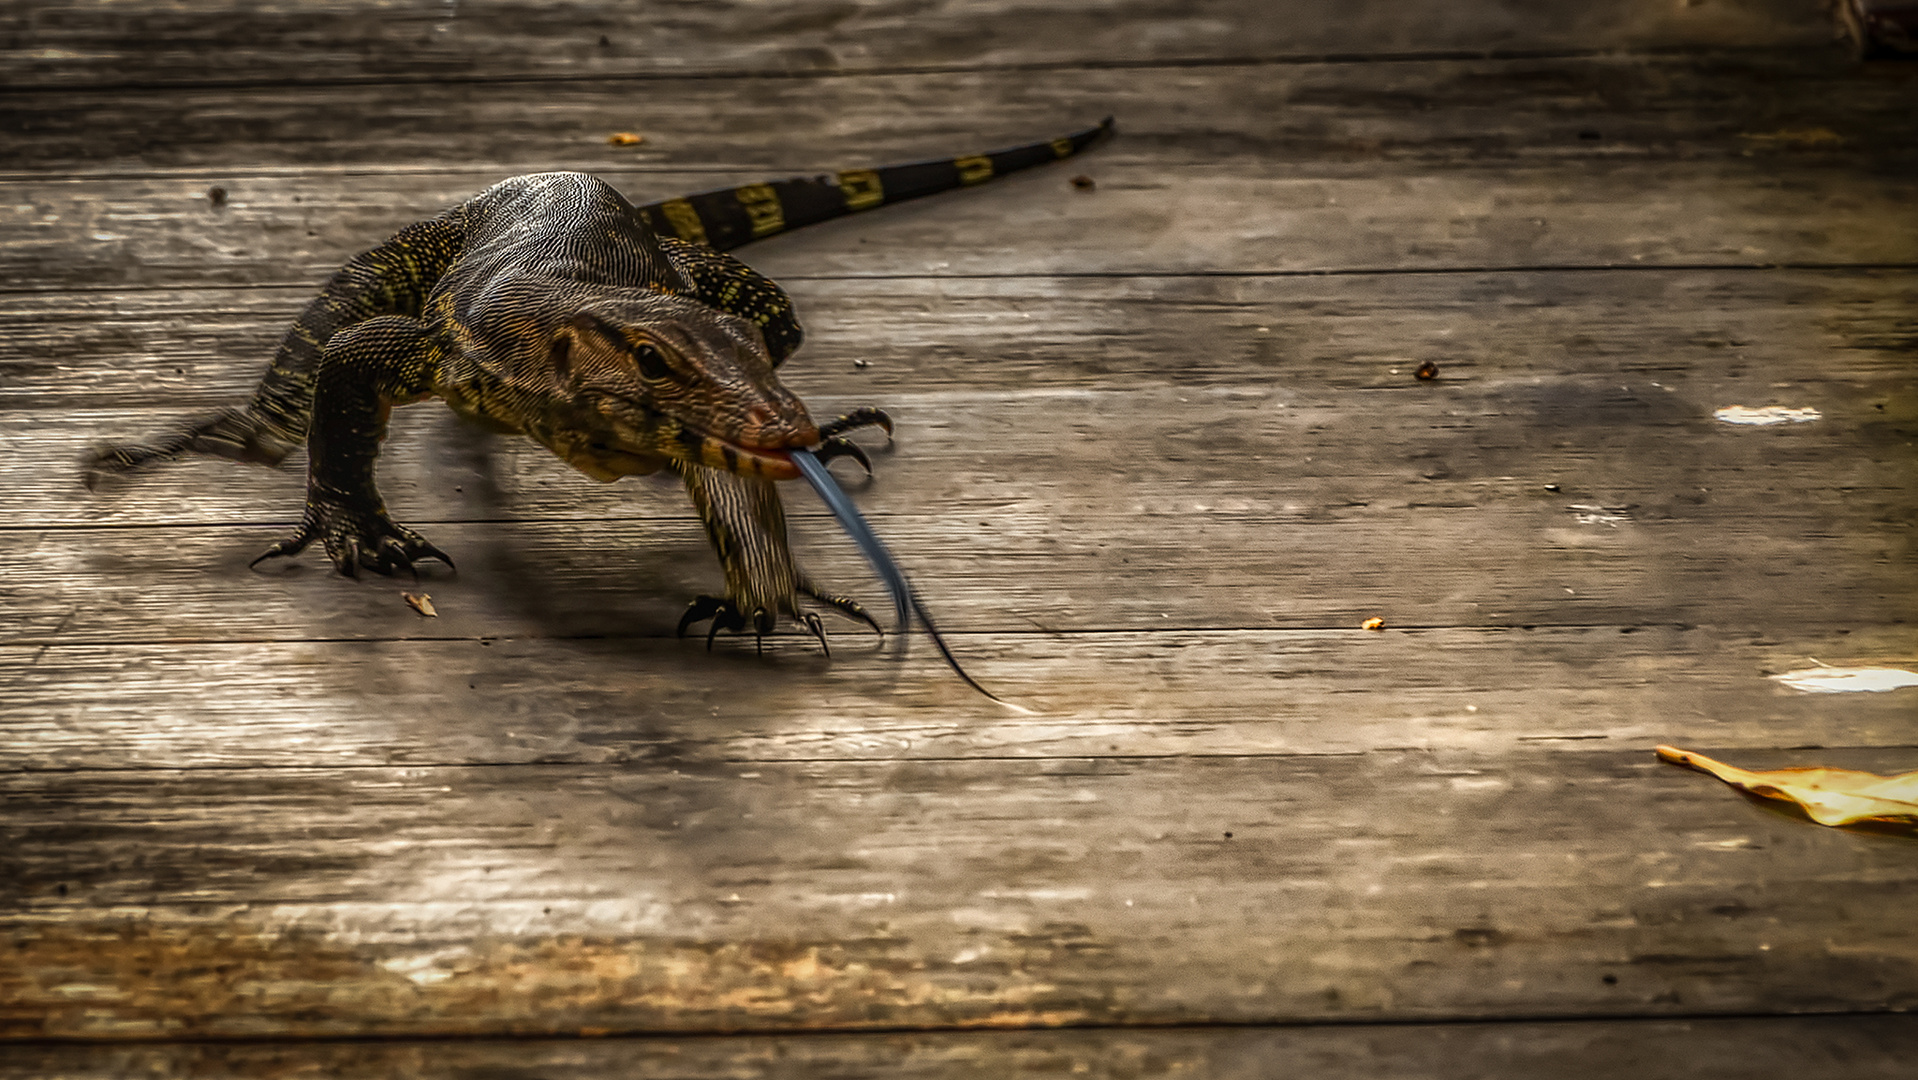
[
  {"x": 832, "y": 445},
  {"x": 731, "y": 617},
  {"x": 725, "y": 616},
  {"x": 356, "y": 537}
]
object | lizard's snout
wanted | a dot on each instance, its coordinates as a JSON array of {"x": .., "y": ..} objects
[{"x": 771, "y": 428}]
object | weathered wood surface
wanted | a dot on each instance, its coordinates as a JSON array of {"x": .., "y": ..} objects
[
  {"x": 1139, "y": 694},
  {"x": 1716, "y": 335},
  {"x": 846, "y": 894},
  {"x": 1289, "y": 119},
  {"x": 68, "y": 42},
  {"x": 1160, "y": 453},
  {"x": 1862, "y": 1048},
  {"x": 1545, "y": 384},
  {"x": 159, "y": 234}
]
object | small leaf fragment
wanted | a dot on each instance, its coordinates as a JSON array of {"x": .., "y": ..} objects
[
  {"x": 1828, "y": 796},
  {"x": 421, "y": 603},
  {"x": 625, "y": 138},
  {"x": 1373, "y": 623}
]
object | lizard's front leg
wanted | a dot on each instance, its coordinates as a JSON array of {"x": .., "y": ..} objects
[
  {"x": 367, "y": 369},
  {"x": 746, "y": 523}
]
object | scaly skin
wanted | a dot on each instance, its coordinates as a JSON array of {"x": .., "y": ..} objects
[{"x": 619, "y": 337}]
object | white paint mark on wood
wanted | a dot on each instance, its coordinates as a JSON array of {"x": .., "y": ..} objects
[
  {"x": 425, "y": 969},
  {"x": 1593, "y": 514},
  {"x": 1766, "y": 416},
  {"x": 1832, "y": 680}
]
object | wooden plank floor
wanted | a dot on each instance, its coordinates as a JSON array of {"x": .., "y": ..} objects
[{"x": 1161, "y": 452}]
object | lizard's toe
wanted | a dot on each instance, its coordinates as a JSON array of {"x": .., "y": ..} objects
[
  {"x": 863, "y": 416},
  {"x": 290, "y": 546},
  {"x": 845, "y": 605},
  {"x": 723, "y": 614}
]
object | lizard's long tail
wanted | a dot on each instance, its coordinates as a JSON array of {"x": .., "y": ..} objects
[{"x": 730, "y": 217}]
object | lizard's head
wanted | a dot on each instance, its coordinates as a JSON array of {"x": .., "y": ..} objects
[{"x": 662, "y": 378}]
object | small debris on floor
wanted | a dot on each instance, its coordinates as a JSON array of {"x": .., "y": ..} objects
[{"x": 421, "y": 603}]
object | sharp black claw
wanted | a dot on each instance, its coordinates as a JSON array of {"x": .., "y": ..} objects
[
  {"x": 818, "y": 629},
  {"x": 838, "y": 448},
  {"x": 702, "y": 607},
  {"x": 292, "y": 546},
  {"x": 392, "y": 556}
]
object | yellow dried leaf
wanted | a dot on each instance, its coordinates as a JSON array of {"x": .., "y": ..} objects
[
  {"x": 625, "y": 138},
  {"x": 421, "y": 603},
  {"x": 1828, "y": 796},
  {"x": 1373, "y": 623}
]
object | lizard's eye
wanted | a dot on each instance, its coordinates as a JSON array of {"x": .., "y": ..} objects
[{"x": 651, "y": 364}]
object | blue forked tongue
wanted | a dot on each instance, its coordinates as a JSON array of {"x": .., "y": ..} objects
[{"x": 905, "y": 602}]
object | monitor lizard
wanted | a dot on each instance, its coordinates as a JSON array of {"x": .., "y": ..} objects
[{"x": 623, "y": 338}]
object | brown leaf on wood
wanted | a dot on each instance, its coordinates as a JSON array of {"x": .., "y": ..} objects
[
  {"x": 1828, "y": 796},
  {"x": 1373, "y": 623},
  {"x": 625, "y": 138},
  {"x": 421, "y": 603}
]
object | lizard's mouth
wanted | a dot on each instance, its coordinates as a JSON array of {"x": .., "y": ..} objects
[{"x": 771, "y": 463}]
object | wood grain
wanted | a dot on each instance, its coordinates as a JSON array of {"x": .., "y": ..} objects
[
  {"x": 570, "y": 899},
  {"x": 69, "y": 43},
  {"x": 1866, "y": 1048},
  {"x": 1434, "y": 113},
  {"x": 162, "y": 234},
  {"x": 1439, "y": 510},
  {"x": 1719, "y": 336},
  {"x": 1138, "y": 694},
  {"x": 1534, "y": 563}
]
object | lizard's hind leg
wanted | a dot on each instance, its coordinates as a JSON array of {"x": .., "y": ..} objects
[
  {"x": 392, "y": 279},
  {"x": 237, "y": 434}
]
